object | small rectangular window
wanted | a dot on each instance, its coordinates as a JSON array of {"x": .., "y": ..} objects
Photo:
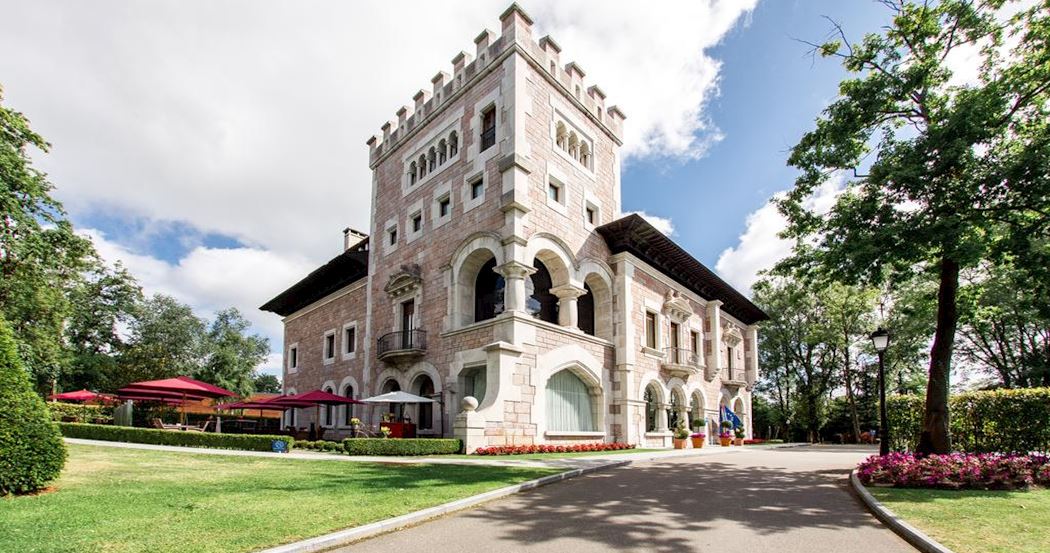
[
  {"x": 488, "y": 128},
  {"x": 554, "y": 192},
  {"x": 417, "y": 222},
  {"x": 393, "y": 236},
  {"x": 477, "y": 188},
  {"x": 329, "y": 346},
  {"x": 350, "y": 340},
  {"x": 444, "y": 206},
  {"x": 293, "y": 358},
  {"x": 650, "y": 329},
  {"x": 591, "y": 215},
  {"x": 694, "y": 341}
]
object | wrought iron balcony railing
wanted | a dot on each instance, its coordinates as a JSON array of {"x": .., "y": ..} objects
[
  {"x": 402, "y": 342},
  {"x": 488, "y": 139},
  {"x": 681, "y": 356}
]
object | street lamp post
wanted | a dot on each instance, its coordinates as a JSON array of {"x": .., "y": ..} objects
[{"x": 881, "y": 340}]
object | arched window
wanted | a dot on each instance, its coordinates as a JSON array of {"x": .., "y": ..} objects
[
  {"x": 424, "y": 387},
  {"x": 348, "y": 409},
  {"x": 412, "y": 173},
  {"x": 488, "y": 292},
  {"x": 652, "y": 398},
  {"x": 585, "y": 154},
  {"x": 453, "y": 144},
  {"x": 432, "y": 160},
  {"x": 674, "y": 410},
  {"x": 696, "y": 413},
  {"x": 585, "y": 310},
  {"x": 442, "y": 152},
  {"x": 569, "y": 404},
  {"x": 472, "y": 382},
  {"x": 574, "y": 146},
  {"x": 422, "y": 166},
  {"x": 540, "y": 302},
  {"x": 560, "y": 136},
  {"x": 328, "y": 413}
]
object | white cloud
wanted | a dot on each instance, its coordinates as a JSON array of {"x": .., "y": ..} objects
[
  {"x": 760, "y": 246},
  {"x": 212, "y": 279},
  {"x": 662, "y": 224}
]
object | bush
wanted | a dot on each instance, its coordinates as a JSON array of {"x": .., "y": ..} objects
[
  {"x": 321, "y": 445},
  {"x": 249, "y": 442},
  {"x": 78, "y": 412},
  {"x": 31, "y": 449},
  {"x": 402, "y": 446},
  {"x": 955, "y": 471},
  {"x": 1015, "y": 421},
  {"x": 549, "y": 448}
]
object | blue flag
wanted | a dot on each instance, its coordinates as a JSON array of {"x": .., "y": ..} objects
[{"x": 729, "y": 415}]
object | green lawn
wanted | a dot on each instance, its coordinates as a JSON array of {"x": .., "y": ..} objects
[
  {"x": 118, "y": 500},
  {"x": 976, "y": 521}
]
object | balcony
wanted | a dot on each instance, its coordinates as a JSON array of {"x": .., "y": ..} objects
[
  {"x": 401, "y": 346},
  {"x": 733, "y": 378},
  {"x": 681, "y": 362},
  {"x": 488, "y": 138}
]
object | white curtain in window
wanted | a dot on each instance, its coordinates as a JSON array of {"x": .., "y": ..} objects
[{"x": 568, "y": 403}]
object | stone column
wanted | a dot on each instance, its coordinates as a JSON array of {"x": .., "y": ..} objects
[
  {"x": 568, "y": 314},
  {"x": 514, "y": 274},
  {"x": 469, "y": 426},
  {"x": 661, "y": 417}
]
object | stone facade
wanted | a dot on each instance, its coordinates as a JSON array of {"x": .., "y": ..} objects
[{"x": 458, "y": 202}]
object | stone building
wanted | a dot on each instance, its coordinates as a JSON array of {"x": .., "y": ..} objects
[{"x": 498, "y": 266}]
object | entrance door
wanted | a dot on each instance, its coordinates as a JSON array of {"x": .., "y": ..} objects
[
  {"x": 408, "y": 323},
  {"x": 674, "y": 344}
]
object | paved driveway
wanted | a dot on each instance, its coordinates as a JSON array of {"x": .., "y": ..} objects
[{"x": 776, "y": 500}]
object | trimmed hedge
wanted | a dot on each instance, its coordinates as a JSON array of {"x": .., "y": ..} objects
[
  {"x": 249, "y": 442},
  {"x": 82, "y": 413},
  {"x": 31, "y": 450},
  {"x": 1004, "y": 421},
  {"x": 402, "y": 446},
  {"x": 321, "y": 445}
]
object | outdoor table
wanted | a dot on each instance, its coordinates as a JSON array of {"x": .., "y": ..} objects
[{"x": 400, "y": 429}]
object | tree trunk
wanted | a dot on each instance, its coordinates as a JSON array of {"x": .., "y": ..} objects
[
  {"x": 851, "y": 400},
  {"x": 935, "y": 437}
]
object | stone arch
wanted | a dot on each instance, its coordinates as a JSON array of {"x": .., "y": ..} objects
[
  {"x": 555, "y": 254},
  {"x": 677, "y": 405},
  {"x": 419, "y": 370},
  {"x": 574, "y": 145},
  {"x": 560, "y": 136},
  {"x": 585, "y": 366},
  {"x": 585, "y": 154},
  {"x": 442, "y": 151},
  {"x": 697, "y": 410},
  {"x": 422, "y": 166},
  {"x": 591, "y": 420},
  {"x": 467, "y": 261},
  {"x": 595, "y": 307},
  {"x": 654, "y": 394},
  {"x": 413, "y": 173},
  {"x": 432, "y": 159},
  {"x": 453, "y": 144}
]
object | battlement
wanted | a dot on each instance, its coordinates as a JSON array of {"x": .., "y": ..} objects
[{"x": 516, "y": 31}]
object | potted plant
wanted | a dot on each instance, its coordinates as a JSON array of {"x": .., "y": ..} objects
[
  {"x": 698, "y": 439},
  {"x": 725, "y": 438},
  {"x": 355, "y": 427},
  {"x": 739, "y": 431},
  {"x": 680, "y": 435}
]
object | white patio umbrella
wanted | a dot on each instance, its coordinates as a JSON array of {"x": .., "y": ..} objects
[{"x": 398, "y": 397}]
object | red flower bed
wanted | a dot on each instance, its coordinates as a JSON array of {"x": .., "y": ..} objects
[
  {"x": 956, "y": 471},
  {"x": 754, "y": 441},
  {"x": 543, "y": 448}
]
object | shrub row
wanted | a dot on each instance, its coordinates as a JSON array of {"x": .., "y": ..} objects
[
  {"x": 320, "y": 445},
  {"x": 956, "y": 471},
  {"x": 543, "y": 448},
  {"x": 1004, "y": 421},
  {"x": 402, "y": 446},
  {"x": 250, "y": 442},
  {"x": 79, "y": 412}
]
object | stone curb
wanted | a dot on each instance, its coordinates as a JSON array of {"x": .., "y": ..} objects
[
  {"x": 911, "y": 534},
  {"x": 357, "y": 533}
]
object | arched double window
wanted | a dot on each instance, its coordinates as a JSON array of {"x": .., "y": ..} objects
[
  {"x": 453, "y": 144},
  {"x": 422, "y": 166},
  {"x": 442, "y": 151},
  {"x": 348, "y": 409},
  {"x": 652, "y": 404},
  {"x": 424, "y": 387},
  {"x": 413, "y": 173},
  {"x": 569, "y": 406},
  {"x": 432, "y": 160}
]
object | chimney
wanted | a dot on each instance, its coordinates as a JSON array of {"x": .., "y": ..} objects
[{"x": 352, "y": 238}]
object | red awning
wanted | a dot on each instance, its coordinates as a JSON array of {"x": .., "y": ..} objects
[
  {"x": 179, "y": 385},
  {"x": 320, "y": 397},
  {"x": 285, "y": 402},
  {"x": 80, "y": 395}
]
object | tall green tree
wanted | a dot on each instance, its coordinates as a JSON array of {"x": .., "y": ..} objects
[
  {"x": 103, "y": 304},
  {"x": 267, "y": 384},
  {"x": 232, "y": 353},
  {"x": 166, "y": 340},
  {"x": 849, "y": 311},
  {"x": 41, "y": 258},
  {"x": 941, "y": 175}
]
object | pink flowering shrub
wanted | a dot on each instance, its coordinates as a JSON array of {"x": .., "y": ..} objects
[
  {"x": 956, "y": 471},
  {"x": 545, "y": 448}
]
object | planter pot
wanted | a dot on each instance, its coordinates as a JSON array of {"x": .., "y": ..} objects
[
  {"x": 679, "y": 443},
  {"x": 697, "y": 442},
  {"x": 738, "y": 441},
  {"x": 725, "y": 442}
]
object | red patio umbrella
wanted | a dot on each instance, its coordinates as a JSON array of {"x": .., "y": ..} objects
[
  {"x": 180, "y": 387},
  {"x": 319, "y": 398},
  {"x": 80, "y": 395}
]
